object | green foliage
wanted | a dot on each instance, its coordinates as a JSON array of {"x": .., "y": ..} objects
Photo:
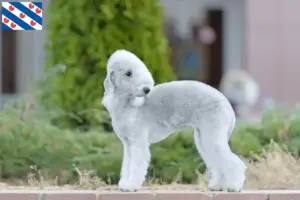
[
  {"x": 89, "y": 32},
  {"x": 277, "y": 125},
  {"x": 36, "y": 141},
  {"x": 177, "y": 154},
  {"x": 245, "y": 143}
]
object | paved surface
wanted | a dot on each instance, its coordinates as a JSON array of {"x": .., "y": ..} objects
[{"x": 147, "y": 195}]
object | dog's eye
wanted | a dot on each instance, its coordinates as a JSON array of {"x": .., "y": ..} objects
[{"x": 128, "y": 74}]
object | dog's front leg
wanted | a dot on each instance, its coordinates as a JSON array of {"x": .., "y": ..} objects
[
  {"x": 139, "y": 162},
  {"x": 125, "y": 163}
]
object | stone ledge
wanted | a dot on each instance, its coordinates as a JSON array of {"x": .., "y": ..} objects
[{"x": 147, "y": 195}]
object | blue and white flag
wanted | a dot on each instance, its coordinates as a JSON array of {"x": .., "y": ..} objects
[{"x": 22, "y": 16}]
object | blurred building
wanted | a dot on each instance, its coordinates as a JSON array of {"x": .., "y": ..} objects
[{"x": 260, "y": 36}]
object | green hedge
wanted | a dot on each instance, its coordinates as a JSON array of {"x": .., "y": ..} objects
[
  {"x": 278, "y": 124},
  {"x": 82, "y": 35},
  {"x": 36, "y": 142}
]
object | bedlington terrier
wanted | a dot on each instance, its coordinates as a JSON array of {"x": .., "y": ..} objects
[{"x": 143, "y": 114}]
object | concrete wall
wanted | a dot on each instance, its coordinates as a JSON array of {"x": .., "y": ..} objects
[
  {"x": 30, "y": 54},
  {"x": 272, "y": 44},
  {"x": 30, "y": 58},
  {"x": 167, "y": 192}
]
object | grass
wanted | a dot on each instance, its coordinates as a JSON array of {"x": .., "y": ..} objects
[{"x": 275, "y": 169}]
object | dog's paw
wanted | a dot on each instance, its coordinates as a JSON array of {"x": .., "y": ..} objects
[
  {"x": 234, "y": 186},
  {"x": 214, "y": 186},
  {"x": 127, "y": 190},
  {"x": 121, "y": 183},
  {"x": 125, "y": 187},
  {"x": 234, "y": 189},
  {"x": 215, "y": 189}
]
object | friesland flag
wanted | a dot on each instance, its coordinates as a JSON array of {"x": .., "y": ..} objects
[{"x": 22, "y": 16}]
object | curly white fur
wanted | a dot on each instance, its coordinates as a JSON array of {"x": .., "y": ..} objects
[{"x": 140, "y": 119}]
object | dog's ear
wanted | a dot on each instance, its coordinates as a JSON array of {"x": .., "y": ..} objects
[
  {"x": 109, "y": 82},
  {"x": 112, "y": 77}
]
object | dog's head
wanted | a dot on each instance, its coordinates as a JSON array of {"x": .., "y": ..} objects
[{"x": 127, "y": 74}]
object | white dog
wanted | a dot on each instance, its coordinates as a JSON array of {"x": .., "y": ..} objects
[{"x": 143, "y": 114}]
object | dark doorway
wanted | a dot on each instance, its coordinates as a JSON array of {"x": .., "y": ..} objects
[
  {"x": 215, "y": 51},
  {"x": 8, "y": 62}
]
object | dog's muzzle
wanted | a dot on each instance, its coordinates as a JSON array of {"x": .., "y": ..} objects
[
  {"x": 143, "y": 91},
  {"x": 146, "y": 90}
]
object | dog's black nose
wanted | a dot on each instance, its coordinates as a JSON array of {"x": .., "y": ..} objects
[{"x": 146, "y": 90}]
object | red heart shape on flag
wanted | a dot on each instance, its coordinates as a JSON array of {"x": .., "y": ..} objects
[
  {"x": 13, "y": 25},
  {"x": 22, "y": 15},
  {"x": 38, "y": 11},
  {"x": 32, "y": 23},
  {"x": 11, "y": 8},
  {"x": 6, "y": 20},
  {"x": 31, "y": 6}
]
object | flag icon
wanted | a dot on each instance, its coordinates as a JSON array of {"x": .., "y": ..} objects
[{"x": 22, "y": 15}]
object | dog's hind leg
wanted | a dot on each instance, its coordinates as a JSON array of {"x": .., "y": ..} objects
[
  {"x": 216, "y": 147},
  {"x": 215, "y": 177}
]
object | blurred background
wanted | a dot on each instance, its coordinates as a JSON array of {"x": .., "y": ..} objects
[
  {"x": 248, "y": 49},
  {"x": 207, "y": 37}
]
